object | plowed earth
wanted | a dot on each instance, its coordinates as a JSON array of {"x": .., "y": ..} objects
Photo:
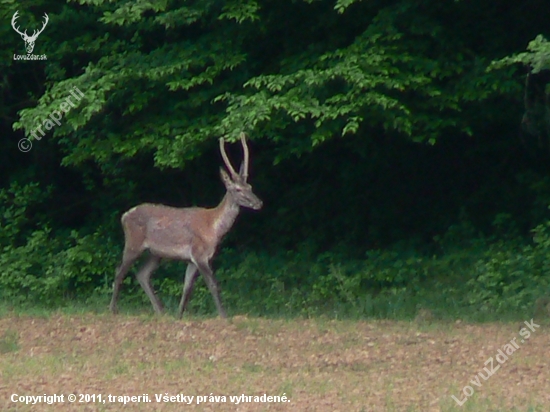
[{"x": 319, "y": 365}]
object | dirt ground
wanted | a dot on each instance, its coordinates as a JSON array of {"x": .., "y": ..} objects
[{"x": 313, "y": 365}]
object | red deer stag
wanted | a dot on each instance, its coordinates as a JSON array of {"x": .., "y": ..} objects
[{"x": 190, "y": 234}]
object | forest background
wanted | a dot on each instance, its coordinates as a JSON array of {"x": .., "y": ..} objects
[{"x": 401, "y": 149}]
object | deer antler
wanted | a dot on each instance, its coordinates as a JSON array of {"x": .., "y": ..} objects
[
  {"x": 245, "y": 152},
  {"x": 244, "y": 167},
  {"x": 15, "y": 16},
  {"x": 36, "y": 33},
  {"x": 226, "y": 159}
]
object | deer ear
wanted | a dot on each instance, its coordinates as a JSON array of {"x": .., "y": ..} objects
[{"x": 225, "y": 177}]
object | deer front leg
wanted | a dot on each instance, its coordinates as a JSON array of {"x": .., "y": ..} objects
[
  {"x": 191, "y": 275},
  {"x": 212, "y": 284},
  {"x": 127, "y": 260},
  {"x": 144, "y": 279}
]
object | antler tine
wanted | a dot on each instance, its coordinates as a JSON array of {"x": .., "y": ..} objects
[
  {"x": 246, "y": 156},
  {"x": 226, "y": 159}
]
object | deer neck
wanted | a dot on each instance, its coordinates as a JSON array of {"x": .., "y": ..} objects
[{"x": 227, "y": 212}]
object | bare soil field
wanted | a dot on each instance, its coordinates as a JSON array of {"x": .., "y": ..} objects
[{"x": 313, "y": 365}]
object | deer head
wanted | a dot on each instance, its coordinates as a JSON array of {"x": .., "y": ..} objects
[
  {"x": 29, "y": 40},
  {"x": 236, "y": 183}
]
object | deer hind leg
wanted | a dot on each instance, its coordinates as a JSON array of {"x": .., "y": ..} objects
[
  {"x": 128, "y": 259},
  {"x": 213, "y": 286},
  {"x": 144, "y": 279},
  {"x": 191, "y": 275}
]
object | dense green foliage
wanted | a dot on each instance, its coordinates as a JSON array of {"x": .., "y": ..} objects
[{"x": 402, "y": 155}]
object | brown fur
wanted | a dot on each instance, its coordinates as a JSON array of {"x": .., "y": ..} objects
[{"x": 189, "y": 234}]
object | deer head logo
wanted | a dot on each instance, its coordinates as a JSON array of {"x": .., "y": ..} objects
[{"x": 29, "y": 40}]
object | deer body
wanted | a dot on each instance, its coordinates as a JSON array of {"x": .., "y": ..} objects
[
  {"x": 173, "y": 233},
  {"x": 189, "y": 234}
]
